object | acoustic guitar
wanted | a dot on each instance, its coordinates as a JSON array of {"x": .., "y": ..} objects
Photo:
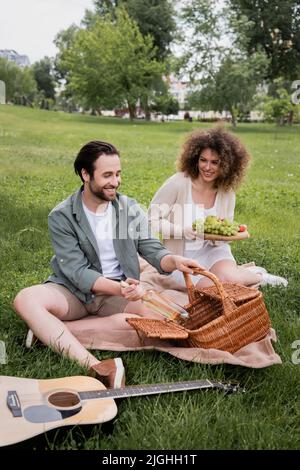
[{"x": 30, "y": 407}]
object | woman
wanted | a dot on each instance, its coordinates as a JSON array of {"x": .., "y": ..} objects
[{"x": 210, "y": 168}]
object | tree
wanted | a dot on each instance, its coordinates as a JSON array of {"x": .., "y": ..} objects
[
  {"x": 111, "y": 63},
  {"x": 19, "y": 82},
  {"x": 103, "y": 7},
  {"x": 43, "y": 74},
  {"x": 232, "y": 87},
  {"x": 277, "y": 106},
  {"x": 273, "y": 27},
  {"x": 154, "y": 17},
  {"x": 203, "y": 27},
  {"x": 63, "y": 41},
  {"x": 166, "y": 104}
]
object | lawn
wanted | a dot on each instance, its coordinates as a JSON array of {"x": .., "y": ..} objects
[{"x": 37, "y": 150}]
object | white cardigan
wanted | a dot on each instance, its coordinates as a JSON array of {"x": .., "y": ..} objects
[{"x": 166, "y": 210}]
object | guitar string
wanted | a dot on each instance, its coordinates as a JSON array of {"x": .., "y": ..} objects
[
  {"x": 29, "y": 397},
  {"x": 131, "y": 388},
  {"x": 189, "y": 385}
]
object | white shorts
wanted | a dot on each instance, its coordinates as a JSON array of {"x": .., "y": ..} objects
[{"x": 208, "y": 255}]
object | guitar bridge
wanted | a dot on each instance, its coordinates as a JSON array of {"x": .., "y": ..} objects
[{"x": 13, "y": 403}]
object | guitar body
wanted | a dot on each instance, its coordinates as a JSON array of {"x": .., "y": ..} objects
[
  {"x": 30, "y": 407},
  {"x": 36, "y": 406}
]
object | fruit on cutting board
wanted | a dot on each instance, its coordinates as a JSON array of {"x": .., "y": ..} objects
[{"x": 216, "y": 225}]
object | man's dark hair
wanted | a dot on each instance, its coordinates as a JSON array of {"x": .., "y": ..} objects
[{"x": 89, "y": 153}]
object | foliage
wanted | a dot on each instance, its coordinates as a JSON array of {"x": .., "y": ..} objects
[
  {"x": 232, "y": 87},
  {"x": 63, "y": 41},
  {"x": 103, "y": 7},
  {"x": 111, "y": 63},
  {"x": 154, "y": 17},
  {"x": 19, "y": 82},
  {"x": 43, "y": 74},
  {"x": 277, "y": 105},
  {"x": 165, "y": 103},
  {"x": 202, "y": 26},
  {"x": 273, "y": 27}
]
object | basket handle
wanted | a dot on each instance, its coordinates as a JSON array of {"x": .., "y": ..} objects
[{"x": 228, "y": 304}]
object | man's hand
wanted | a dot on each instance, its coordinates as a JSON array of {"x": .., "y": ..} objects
[
  {"x": 186, "y": 265},
  {"x": 133, "y": 291},
  {"x": 171, "y": 262}
]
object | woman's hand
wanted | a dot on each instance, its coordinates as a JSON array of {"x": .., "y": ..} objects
[
  {"x": 189, "y": 233},
  {"x": 132, "y": 291}
]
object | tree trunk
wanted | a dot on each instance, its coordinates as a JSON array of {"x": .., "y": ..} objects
[
  {"x": 233, "y": 117},
  {"x": 280, "y": 121},
  {"x": 144, "y": 102},
  {"x": 132, "y": 110},
  {"x": 147, "y": 110},
  {"x": 291, "y": 117}
]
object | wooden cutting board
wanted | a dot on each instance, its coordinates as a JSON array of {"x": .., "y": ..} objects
[{"x": 238, "y": 236}]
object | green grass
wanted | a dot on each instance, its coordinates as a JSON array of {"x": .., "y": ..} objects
[{"x": 37, "y": 150}]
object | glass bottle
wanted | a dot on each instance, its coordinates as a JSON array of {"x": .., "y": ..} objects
[{"x": 161, "y": 304}]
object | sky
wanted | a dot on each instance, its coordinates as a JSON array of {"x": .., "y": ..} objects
[{"x": 30, "y": 26}]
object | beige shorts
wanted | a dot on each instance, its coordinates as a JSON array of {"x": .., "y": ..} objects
[{"x": 102, "y": 305}]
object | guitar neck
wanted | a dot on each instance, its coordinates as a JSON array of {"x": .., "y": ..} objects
[{"x": 140, "y": 390}]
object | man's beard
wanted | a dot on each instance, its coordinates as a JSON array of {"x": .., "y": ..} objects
[{"x": 99, "y": 193}]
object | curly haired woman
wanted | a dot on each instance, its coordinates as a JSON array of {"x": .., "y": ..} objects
[{"x": 210, "y": 168}]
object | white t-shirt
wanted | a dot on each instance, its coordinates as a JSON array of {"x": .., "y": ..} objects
[
  {"x": 101, "y": 225},
  {"x": 192, "y": 212},
  {"x": 203, "y": 251}
]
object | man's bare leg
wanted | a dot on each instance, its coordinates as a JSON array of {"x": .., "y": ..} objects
[
  {"x": 45, "y": 310},
  {"x": 109, "y": 329}
]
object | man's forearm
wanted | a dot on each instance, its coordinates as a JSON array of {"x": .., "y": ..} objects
[
  {"x": 106, "y": 286},
  {"x": 171, "y": 262},
  {"x": 167, "y": 263}
]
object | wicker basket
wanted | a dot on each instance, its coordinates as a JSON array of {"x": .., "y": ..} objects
[{"x": 224, "y": 316}]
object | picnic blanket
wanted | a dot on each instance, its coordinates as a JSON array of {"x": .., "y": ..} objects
[{"x": 257, "y": 354}]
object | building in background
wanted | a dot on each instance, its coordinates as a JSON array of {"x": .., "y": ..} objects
[
  {"x": 179, "y": 89},
  {"x": 10, "y": 54}
]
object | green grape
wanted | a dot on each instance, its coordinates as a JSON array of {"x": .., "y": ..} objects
[
  {"x": 217, "y": 226},
  {"x": 198, "y": 226}
]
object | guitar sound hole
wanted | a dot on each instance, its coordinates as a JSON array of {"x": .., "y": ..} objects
[{"x": 63, "y": 399}]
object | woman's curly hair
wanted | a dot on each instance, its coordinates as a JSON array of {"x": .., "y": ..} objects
[{"x": 234, "y": 158}]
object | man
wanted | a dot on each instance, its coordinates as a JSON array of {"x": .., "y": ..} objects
[{"x": 96, "y": 234}]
